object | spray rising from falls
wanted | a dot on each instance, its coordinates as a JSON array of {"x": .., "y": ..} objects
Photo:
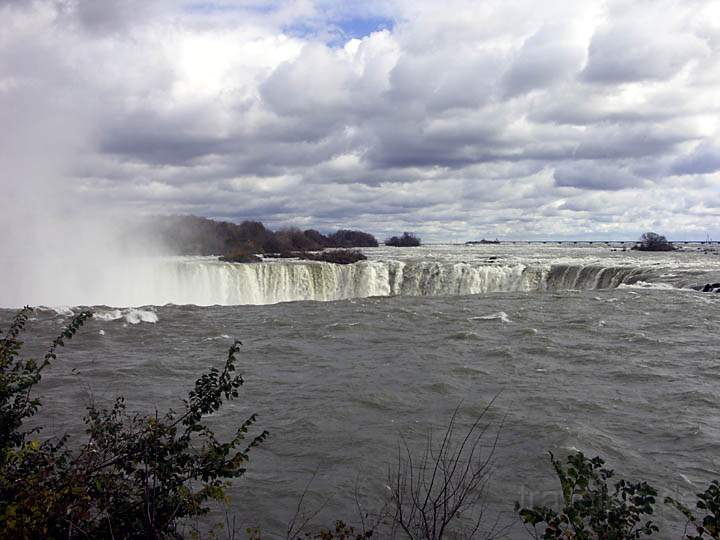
[{"x": 206, "y": 281}]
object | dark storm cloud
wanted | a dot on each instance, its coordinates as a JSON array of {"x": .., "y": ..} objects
[
  {"x": 702, "y": 160},
  {"x": 548, "y": 56},
  {"x": 621, "y": 141},
  {"x": 506, "y": 120},
  {"x": 633, "y": 51},
  {"x": 111, "y": 15},
  {"x": 160, "y": 147},
  {"x": 597, "y": 176}
]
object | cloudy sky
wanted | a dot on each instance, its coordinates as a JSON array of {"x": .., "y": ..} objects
[{"x": 454, "y": 119}]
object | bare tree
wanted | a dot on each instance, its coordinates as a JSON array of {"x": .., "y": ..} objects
[
  {"x": 440, "y": 493},
  {"x": 435, "y": 494}
]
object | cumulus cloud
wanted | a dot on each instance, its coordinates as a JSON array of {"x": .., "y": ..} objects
[
  {"x": 451, "y": 119},
  {"x": 552, "y": 54},
  {"x": 704, "y": 159},
  {"x": 592, "y": 175},
  {"x": 632, "y": 51}
]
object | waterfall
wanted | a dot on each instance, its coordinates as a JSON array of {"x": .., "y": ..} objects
[
  {"x": 581, "y": 277},
  {"x": 207, "y": 281}
]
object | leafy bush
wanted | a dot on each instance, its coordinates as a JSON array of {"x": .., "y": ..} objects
[
  {"x": 651, "y": 241},
  {"x": 591, "y": 509},
  {"x": 345, "y": 238},
  {"x": 135, "y": 476},
  {"x": 319, "y": 238},
  {"x": 340, "y": 531},
  {"x": 293, "y": 238},
  {"x": 708, "y": 502},
  {"x": 406, "y": 240}
]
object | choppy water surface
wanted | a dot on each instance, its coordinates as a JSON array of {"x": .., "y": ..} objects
[{"x": 630, "y": 373}]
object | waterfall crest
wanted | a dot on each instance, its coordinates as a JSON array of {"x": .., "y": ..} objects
[{"x": 209, "y": 282}]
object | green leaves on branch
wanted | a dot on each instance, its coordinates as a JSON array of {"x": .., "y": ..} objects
[
  {"x": 18, "y": 376},
  {"x": 591, "y": 509},
  {"x": 135, "y": 476},
  {"x": 708, "y": 502}
]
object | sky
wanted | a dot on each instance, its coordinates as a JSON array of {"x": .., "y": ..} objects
[{"x": 456, "y": 120}]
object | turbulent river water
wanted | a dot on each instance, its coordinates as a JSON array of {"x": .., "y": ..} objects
[{"x": 610, "y": 352}]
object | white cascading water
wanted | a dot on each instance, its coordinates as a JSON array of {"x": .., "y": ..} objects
[
  {"x": 207, "y": 281},
  {"x": 443, "y": 279},
  {"x": 563, "y": 277}
]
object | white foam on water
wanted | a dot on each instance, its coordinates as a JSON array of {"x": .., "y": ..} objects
[
  {"x": 646, "y": 285},
  {"x": 216, "y": 338},
  {"x": 136, "y": 316},
  {"x": 499, "y": 316},
  {"x": 111, "y": 315},
  {"x": 130, "y": 315},
  {"x": 690, "y": 482}
]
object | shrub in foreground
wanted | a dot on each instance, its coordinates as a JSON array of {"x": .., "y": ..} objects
[
  {"x": 591, "y": 509},
  {"x": 708, "y": 502},
  {"x": 134, "y": 476},
  {"x": 594, "y": 510}
]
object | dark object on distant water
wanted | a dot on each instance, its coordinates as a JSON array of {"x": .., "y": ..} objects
[
  {"x": 651, "y": 241},
  {"x": 483, "y": 241},
  {"x": 339, "y": 256},
  {"x": 240, "y": 258},
  {"x": 711, "y": 287},
  {"x": 406, "y": 240}
]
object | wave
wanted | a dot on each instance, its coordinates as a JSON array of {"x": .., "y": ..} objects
[
  {"x": 499, "y": 316},
  {"x": 131, "y": 316}
]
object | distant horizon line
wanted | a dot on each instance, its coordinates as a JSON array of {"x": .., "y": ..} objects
[{"x": 479, "y": 242}]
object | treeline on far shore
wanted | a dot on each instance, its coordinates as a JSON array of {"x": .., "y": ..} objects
[{"x": 193, "y": 235}]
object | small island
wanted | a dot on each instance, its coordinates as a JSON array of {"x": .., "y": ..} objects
[
  {"x": 483, "y": 241},
  {"x": 336, "y": 256},
  {"x": 249, "y": 241},
  {"x": 406, "y": 240},
  {"x": 651, "y": 241}
]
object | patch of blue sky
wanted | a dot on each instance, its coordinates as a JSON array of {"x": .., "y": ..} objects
[
  {"x": 361, "y": 27},
  {"x": 337, "y": 32},
  {"x": 208, "y": 8}
]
